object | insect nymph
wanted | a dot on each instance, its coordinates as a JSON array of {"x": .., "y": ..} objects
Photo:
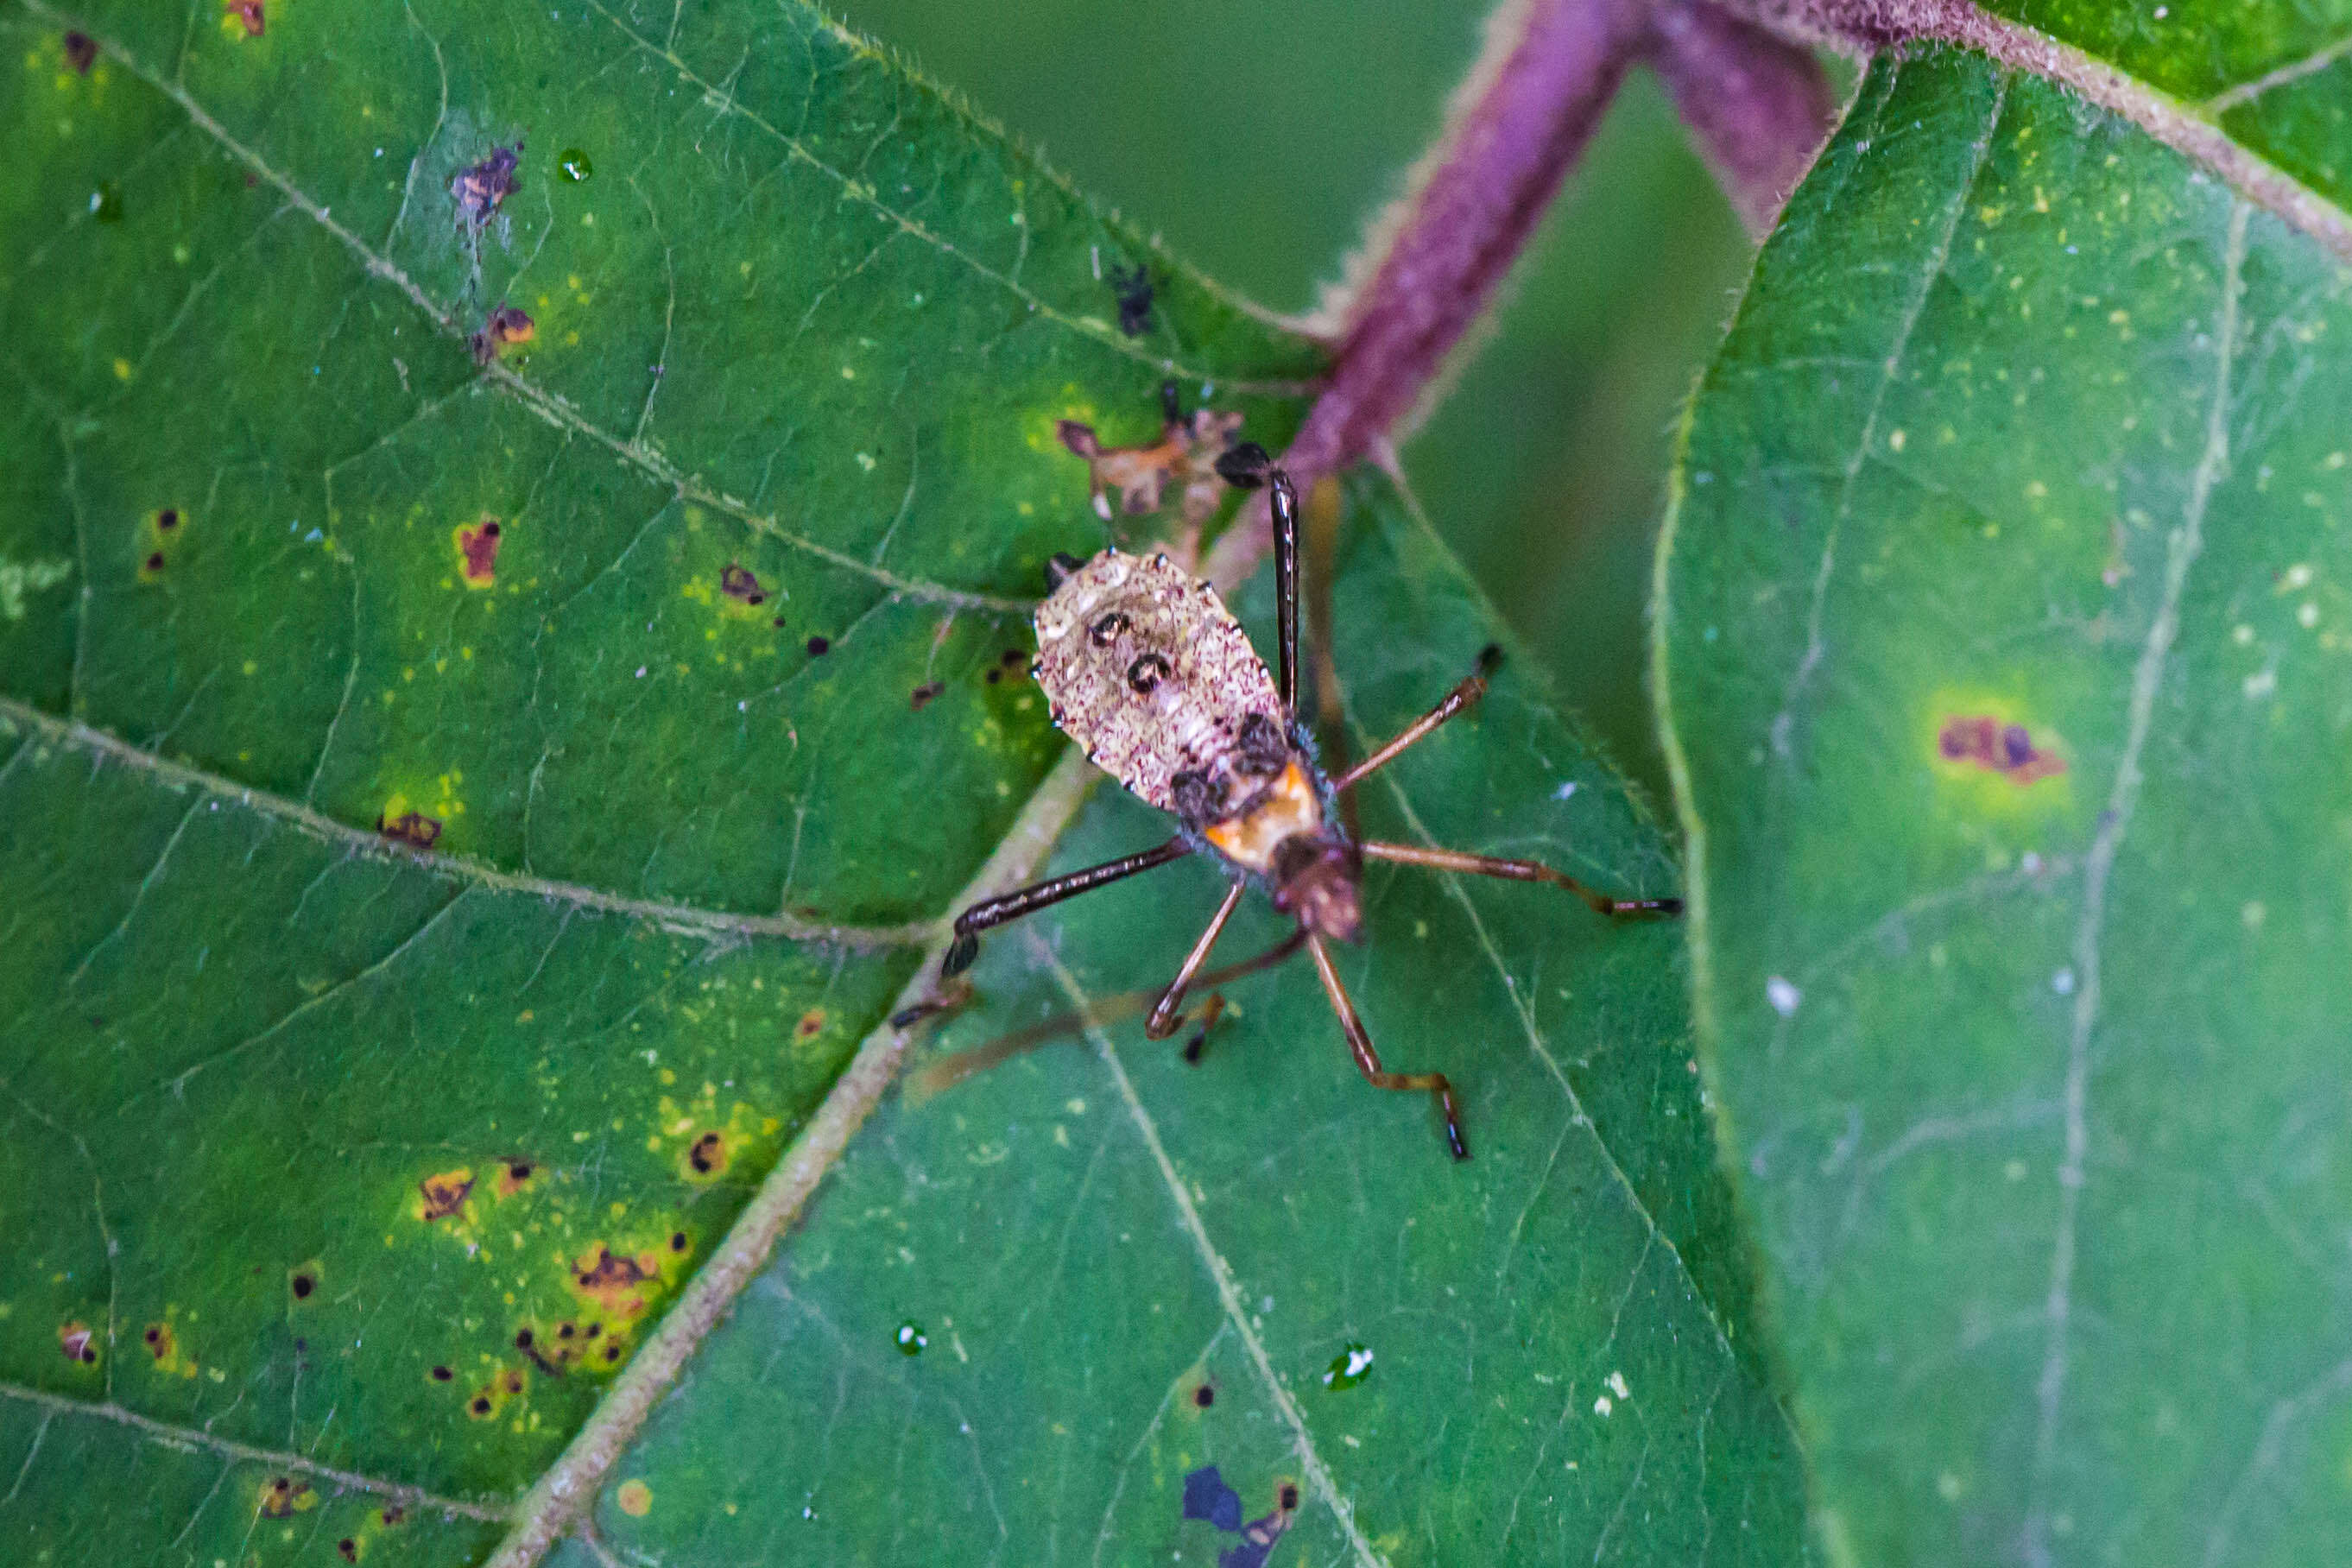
[{"x": 1146, "y": 669}]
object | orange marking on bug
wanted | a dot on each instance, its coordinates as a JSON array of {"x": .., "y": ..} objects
[
  {"x": 1985, "y": 741},
  {"x": 1250, "y": 837},
  {"x": 444, "y": 1193},
  {"x": 477, "y": 551}
]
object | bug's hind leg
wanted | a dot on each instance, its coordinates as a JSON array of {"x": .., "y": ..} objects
[
  {"x": 1517, "y": 871},
  {"x": 1011, "y": 906},
  {"x": 1368, "y": 1060},
  {"x": 1166, "y": 1018}
]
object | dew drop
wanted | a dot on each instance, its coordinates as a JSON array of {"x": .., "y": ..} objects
[
  {"x": 575, "y": 165},
  {"x": 911, "y": 1338},
  {"x": 106, "y": 202},
  {"x": 1348, "y": 1368}
]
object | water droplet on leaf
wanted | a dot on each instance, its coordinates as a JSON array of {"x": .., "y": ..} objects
[
  {"x": 911, "y": 1338},
  {"x": 1348, "y": 1368},
  {"x": 575, "y": 164}
]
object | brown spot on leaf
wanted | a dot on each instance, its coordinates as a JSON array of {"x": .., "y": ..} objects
[
  {"x": 2006, "y": 749},
  {"x": 920, "y": 697},
  {"x": 282, "y": 1497},
  {"x": 157, "y": 1338},
  {"x": 993, "y": 675},
  {"x": 303, "y": 1283},
  {"x": 76, "y": 1343},
  {"x": 811, "y": 1026},
  {"x": 349, "y": 1549},
  {"x": 249, "y": 15},
  {"x": 480, "y": 188},
  {"x": 738, "y": 582},
  {"x": 477, "y": 551},
  {"x": 614, "y": 1282},
  {"x": 513, "y": 1176},
  {"x": 706, "y": 1155},
  {"x": 442, "y": 1375},
  {"x": 413, "y": 828},
  {"x": 392, "y": 1513},
  {"x": 153, "y": 564},
  {"x": 444, "y": 1193},
  {"x": 1203, "y": 1397},
  {"x": 818, "y": 647},
  {"x": 81, "y": 52},
  {"x": 505, "y": 325},
  {"x": 678, "y": 1242},
  {"x": 478, "y": 1408}
]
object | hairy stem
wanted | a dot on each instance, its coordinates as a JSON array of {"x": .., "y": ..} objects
[{"x": 1759, "y": 107}]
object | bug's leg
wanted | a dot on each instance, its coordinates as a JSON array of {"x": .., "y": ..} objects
[
  {"x": 1011, "y": 906},
  {"x": 1461, "y": 697},
  {"x": 1211, "y": 1011},
  {"x": 1164, "y": 1020},
  {"x": 1517, "y": 871},
  {"x": 1246, "y": 467},
  {"x": 1368, "y": 1060}
]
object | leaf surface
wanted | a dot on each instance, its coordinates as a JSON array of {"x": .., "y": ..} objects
[
  {"x": 2003, "y": 653},
  {"x": 1090, "y": 1238},
  {"x": 420, "y": 940}
]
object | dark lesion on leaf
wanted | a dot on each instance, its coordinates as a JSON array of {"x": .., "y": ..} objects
[
  {"x": 506, "y": 324},
  {"x": 1208, "y": 1497},
  {"x": 282, "y": 1497},
  {"x": 81, "y": 52},
  {"x": 443, "y": 1194},
  {"x": 251, "y": 18},
  {"x": 706, "y": 1155},
  {"x": 1986, "y": 743},
  {"x": 1132, "y": 287},
  {"x": 159, "y": 1340},
  {"x": 740, "y": 583},
  {"x": 477, "y": 551},
  {"x": 413, "y": 828},
  {"x": 920, "y": 696}
]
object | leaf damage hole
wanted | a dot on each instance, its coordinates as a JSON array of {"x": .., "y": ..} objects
[
  {"x": 740, "y": 583},
  {"x": 81, "y": 52},
  {"x": 1208, "y": 1497},
  {"x": 78, "y": 1343},
  {"x": 477, "y": 551},
  {"x": 479, "y": 188},
  {"x": 1984, "y": 741},
  {"x": 443, "y": 1194}
]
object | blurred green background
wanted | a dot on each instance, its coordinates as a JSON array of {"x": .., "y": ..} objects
[{"x": 1256, "y": 138}]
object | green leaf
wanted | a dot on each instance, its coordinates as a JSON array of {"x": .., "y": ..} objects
[
  {"x": 2004, "y": 653},
  {"x": 415, "y": 953},
  {"x": 1085, "y": 1239},
  {"x": 2277, "y": 77}
]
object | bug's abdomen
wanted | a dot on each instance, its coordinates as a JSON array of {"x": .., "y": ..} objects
[{"x": 1147, "y": 669}]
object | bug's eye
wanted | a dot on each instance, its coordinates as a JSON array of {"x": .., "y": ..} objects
[
  {"x": 1105, "y": 631},
  {"x": 1147, "y": 672}
]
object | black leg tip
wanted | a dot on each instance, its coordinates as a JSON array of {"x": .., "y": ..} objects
[
  {"x": 1490, "y": 659},
  {"x": 960, "y": 954},
  {"x": 1242, "y": 465},
  {"x": 1670, "y": 906},
  {"x": 1460, "y": 1151},
  {"x": 1059, "y": 568}
]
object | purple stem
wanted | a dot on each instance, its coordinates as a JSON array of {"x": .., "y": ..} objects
[
  {"x": 1759, "y": 107},
  {"x": 1503, "y": 159}
]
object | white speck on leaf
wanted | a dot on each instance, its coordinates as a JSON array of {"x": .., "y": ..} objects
[{"x": 1783, "y": 996}]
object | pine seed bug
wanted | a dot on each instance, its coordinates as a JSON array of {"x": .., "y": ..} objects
[{"x": 1148, "y": 671}]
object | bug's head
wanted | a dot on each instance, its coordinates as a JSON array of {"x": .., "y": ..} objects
[{"x": 1315, "y": 877}]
